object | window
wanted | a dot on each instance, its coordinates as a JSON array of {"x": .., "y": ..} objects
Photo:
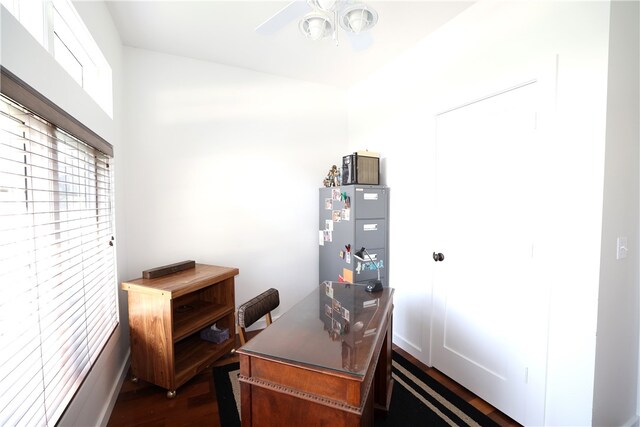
[
  {"x": 56, "y": 25},
  {"x": 57, "y": 266}
]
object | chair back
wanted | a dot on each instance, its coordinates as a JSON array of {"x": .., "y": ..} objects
[{"x": 254, "y": 309}]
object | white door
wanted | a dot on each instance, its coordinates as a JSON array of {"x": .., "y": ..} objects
[{"x": 487, "y": 313}]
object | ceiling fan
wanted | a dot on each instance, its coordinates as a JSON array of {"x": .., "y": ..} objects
[{"x": 319, "y": 20}]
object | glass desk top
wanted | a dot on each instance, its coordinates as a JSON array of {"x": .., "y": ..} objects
[{"x": 335, "y": 327}]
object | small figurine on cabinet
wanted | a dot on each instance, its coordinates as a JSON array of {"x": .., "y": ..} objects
[{"x": 333, "y": 177}]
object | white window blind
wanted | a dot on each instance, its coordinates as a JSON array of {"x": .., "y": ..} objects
[{"x": 57, "y": 269}]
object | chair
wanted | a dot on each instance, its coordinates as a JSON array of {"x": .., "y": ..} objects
[{"x": 255, "y": 308}]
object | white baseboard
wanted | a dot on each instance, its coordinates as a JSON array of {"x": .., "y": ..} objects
[
  {"x": 115, "y": 391},
  {"x": 410, "y": 348}
]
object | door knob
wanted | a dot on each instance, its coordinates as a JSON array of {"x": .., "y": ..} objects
[{"x": 438, "y": 257}]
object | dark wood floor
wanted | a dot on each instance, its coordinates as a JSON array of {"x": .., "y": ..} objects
[{"x": 144, "y": 405}]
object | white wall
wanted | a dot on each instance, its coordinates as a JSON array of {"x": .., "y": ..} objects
[
  {"x": 222, "y": 166},
  {"x": 21, "y": 54},
  {"x": 491, "y": 47},
  {"x": 614, "y": 401}
]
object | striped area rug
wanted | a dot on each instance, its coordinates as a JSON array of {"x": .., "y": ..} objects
[
  {"x": 420, "y": 400},
  {"x": 417, "y": 400}
]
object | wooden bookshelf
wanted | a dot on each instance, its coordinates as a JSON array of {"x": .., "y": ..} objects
[{"x": 166, "y": 315}]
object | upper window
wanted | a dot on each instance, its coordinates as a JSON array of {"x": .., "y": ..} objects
[{"x": 56, "y": 25}]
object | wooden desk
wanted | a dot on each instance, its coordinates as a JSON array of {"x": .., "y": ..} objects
[{"x": 327, "y": 361}]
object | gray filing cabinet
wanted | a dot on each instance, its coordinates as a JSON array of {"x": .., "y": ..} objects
[{"x": 352, "y": 217}]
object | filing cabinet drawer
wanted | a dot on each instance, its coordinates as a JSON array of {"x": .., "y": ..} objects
[
  {"x": 370, "y": 203},
  {"x": 364, "y": 271},
  {"x": 371, "y": 233}
]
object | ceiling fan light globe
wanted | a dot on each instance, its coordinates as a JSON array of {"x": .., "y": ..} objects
[
  {"x": 358, "y": 17},
  {"x": 316, "y": 26},
  {"x": 357, "y": 21}
]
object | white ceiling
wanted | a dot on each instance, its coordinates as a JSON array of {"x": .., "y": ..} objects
[{"x": 224, "y": 32}]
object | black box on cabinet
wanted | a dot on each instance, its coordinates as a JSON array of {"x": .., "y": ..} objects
[{"x": 358, "y": 168}]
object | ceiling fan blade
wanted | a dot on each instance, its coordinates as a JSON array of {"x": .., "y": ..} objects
[
  {"x": 293, "y": 10},
  {"x": 360, "y": 41}
]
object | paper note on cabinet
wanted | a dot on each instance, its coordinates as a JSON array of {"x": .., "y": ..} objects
[{"x": 348, "y": 275}]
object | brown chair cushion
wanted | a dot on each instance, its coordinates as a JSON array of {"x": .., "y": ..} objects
[{"x": 255, "y": 308}]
